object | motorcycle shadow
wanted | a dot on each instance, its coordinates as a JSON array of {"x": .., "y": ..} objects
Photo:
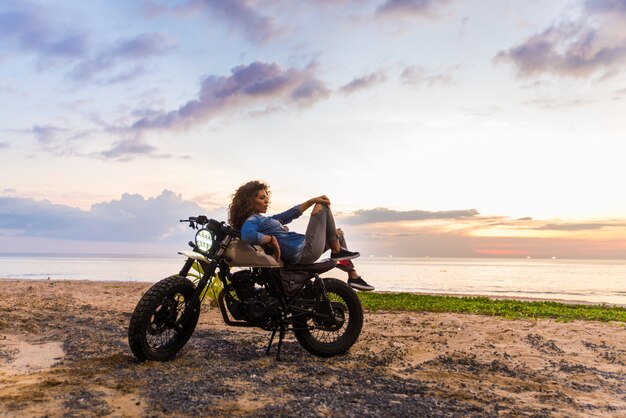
[{"x": 243, "y": 345}]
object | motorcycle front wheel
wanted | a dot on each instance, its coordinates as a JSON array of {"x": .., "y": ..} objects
[
  {"x": 330, "y": 338},
  {"x": 152, "y": 334}
]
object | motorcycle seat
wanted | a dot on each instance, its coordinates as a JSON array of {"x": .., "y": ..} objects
[{"x": 319, "y": 267}]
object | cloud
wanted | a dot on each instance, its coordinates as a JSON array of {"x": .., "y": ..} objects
[
  {"x": 547, "y": 247},
  {"x": 531, "y": 224},
  {"x": 247, "y": 86},
  {"x": 4, "y": 145},
  {"x": 364, "y": 82},
  {"x": 36, "y": 217},
  {"x": 558, "y": 103},
  {"x": 606, "y": 6},
  {"x": 126, "y": 149},
  {"x": 131, "y": 148},
  {"x": 470, "y": 236},
  {"x": 577, "y": 226},
  {"x": 594, "y": 43},
  {"x": 123, "y": 51},
  {"x": 418, "y": 76},
  {"x": 124, "y": 76},
  {"x": 47, "y": 134},
  {"x": 239, "y": 15},
  {"x": 57, "y": 140},
  {"x": 132, "y": 218},
  {"x": 150, "y": 221},
  {"x": 23, "y": 28},
  {"x": 410, "y": 8},
  {"x": 366, "y": 216},
  {"x": 619, "y": 94},
  {"x": 26, "y": 28}
]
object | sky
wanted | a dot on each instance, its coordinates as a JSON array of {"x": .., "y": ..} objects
[{"x": 437, "y": 128}]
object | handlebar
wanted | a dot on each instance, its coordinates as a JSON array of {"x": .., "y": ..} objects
[
  {"x": 196, "y": 219},
  {"x": 213, "y": 225}
]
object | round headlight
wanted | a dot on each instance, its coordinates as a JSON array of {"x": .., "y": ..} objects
[{"x": 204, "y": 240}]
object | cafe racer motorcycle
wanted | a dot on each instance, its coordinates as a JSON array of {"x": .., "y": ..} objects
[{"x": 324, "y": 314}]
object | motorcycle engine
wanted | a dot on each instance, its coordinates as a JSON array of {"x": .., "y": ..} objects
[{"x": 254, "y": 303}]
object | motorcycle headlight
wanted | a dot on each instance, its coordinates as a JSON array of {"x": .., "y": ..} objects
[{"x": 204, "y": 240}]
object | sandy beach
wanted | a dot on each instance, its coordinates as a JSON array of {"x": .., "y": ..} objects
[{"x": 64, "y": 352}]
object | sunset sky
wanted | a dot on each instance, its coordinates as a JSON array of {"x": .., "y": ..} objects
[{"x": 437, "y": 128}]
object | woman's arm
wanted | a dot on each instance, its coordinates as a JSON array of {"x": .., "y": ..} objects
[
  {"x": 250, "y": 233},
  {"x": 288, "y": 215},
  {"x": 320, "y": 199},
  {"x": 270, "y": 239}
]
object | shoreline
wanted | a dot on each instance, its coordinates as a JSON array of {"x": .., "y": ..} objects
[
  {"x": 64, "y": 351},
  {"x": 457, "y": 295}
]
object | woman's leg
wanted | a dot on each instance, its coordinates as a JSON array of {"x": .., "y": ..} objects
[
  {"x": 345, "y": 265},
  {"x": 354, "y": 279},
  {"x": 321, "y": 235}
]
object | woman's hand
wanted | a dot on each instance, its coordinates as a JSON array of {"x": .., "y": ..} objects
[
  {"x": 274, "y": 244},
  {"x": 323, "y": 199}
]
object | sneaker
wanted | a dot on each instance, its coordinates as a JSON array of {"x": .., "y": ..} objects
[
  {"x": 360, "y": 284},
  {"x": 345, "y": 265},
  {"x": 344, "y": 254}
]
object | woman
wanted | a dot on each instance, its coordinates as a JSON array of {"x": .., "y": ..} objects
[{"x": 252, "y": 199}]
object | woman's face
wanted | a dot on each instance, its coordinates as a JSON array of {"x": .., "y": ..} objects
[{"x": 261, "y": 201}]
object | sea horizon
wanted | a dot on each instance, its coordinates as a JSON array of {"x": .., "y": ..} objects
[
  {"x": 362, "y": 257},
  {"x": 580, "y": 280}
]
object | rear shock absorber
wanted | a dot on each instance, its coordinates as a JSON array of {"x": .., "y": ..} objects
[{"x": 320, "y": 283}]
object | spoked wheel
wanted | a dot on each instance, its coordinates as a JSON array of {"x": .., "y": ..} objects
[
  {"x": 327, "y": 337},
  {"x": 151, "y": 333}
]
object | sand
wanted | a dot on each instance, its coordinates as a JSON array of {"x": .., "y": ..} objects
[{"x": 64, "y": 352}]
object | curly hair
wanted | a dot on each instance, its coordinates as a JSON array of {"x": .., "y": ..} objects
[{"x": 241, "y": 207}]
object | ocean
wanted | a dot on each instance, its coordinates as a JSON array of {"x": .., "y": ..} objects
[{"x": 595, "y": 281}]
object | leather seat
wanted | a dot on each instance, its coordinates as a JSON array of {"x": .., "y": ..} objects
[{"x": 319, "y": 267}]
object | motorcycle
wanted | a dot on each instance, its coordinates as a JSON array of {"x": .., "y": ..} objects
[{"x": 324, "y": 314}]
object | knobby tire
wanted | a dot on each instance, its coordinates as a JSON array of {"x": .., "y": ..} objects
[
  {"x": 326, "y": 343},
  {"x": 144, "y": 319}
]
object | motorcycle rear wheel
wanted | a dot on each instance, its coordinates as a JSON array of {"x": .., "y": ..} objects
[
  {"x": 151, "y": 333},
  {"x": 327, "y": 340}
]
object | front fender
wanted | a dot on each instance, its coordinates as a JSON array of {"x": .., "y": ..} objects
[{"x": 194, "y": 255}]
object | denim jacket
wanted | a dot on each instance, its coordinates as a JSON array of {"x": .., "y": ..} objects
[{"x": 257, "y": 226}]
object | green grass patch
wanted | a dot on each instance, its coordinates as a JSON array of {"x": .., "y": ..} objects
[{"x": 511, "y": 309}]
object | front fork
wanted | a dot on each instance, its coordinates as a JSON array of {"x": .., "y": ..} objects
[
  {"x": 194, "y": 305},
  {"x": 209, "y": 271},
  {"x": 186, "y": 267}
]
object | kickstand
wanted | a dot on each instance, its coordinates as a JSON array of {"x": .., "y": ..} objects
[
  {"x": 269, "y": 346},
  {"x": 281, "y": 336}
]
